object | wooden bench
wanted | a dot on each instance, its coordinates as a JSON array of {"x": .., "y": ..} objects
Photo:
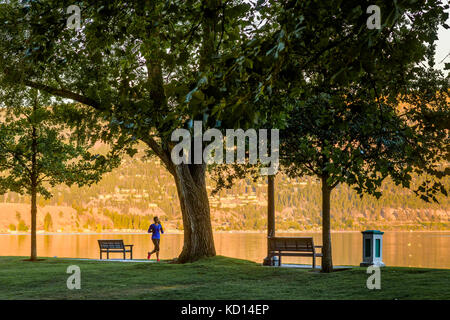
[
  {"x": 115, "y": 246},
  {"x": 290, "y": 246}
]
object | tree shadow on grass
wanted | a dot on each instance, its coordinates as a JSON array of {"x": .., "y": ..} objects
[{"x": 34, "y": 260}]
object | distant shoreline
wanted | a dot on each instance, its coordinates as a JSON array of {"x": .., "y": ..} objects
[{"x": 218, "y": 232}]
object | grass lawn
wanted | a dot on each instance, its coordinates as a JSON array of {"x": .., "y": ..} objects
[{"x": 213, "y": 278}]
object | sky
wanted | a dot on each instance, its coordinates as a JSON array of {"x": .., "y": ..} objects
[
  {"x": 443, "y": 47},
  {"x": 443, "y": 44}
]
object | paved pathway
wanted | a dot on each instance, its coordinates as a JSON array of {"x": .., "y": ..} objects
[
  {"x": 306, "y": 266},
  {"x": 288, "y": 265},
  {"x": 111, "y": 260}
]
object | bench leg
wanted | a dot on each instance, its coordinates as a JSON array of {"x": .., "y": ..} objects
[
  {"x": 107, "y": 254},
  {"x": 100, "y": 254},
  {"x": 124, "y": 257},
  {"x": 279, "y": 260},
  {"x": 314, "y": 262},
  {"x": 131, "y": 254}
]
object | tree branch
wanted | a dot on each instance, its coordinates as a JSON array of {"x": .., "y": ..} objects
[
  {"x": 160, "y": 152},
  {"x": 63, "y": 93}
]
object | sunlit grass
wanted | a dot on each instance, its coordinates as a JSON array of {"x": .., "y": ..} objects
[{"x": 213, "y": 278}]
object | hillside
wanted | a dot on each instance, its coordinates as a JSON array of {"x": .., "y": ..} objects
[{"x": 127, "y": 199}]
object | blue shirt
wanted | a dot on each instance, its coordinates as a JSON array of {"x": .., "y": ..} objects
[{"x": 155, "y": 228}]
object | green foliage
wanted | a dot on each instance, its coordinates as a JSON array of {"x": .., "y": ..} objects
[
  {"x": 337, "y": 90},
  {"x": 37, "y": 151},
  {"x": 150, "y": 49},
  {"x": 355, "y": 104}
]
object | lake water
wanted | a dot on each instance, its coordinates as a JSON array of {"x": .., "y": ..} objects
[{"x": 409, "y": 249}]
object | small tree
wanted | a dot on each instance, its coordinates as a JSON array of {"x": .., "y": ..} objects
[{"x": 38, "y": 152}]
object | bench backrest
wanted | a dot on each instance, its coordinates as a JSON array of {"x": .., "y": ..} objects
[
  {"x": 291, "y": 244},
  {"x": 111, "y": 244}
]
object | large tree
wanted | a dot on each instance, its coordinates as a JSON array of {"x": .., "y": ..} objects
[
  {"x": 133, "y": 63},
  {"x": 38, "y": 151},
  {"x": 354, "y": 105},
  {"x": 358, "y": 119}
]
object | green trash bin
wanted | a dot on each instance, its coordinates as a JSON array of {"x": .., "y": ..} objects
[{"x": 372, "y": 248}]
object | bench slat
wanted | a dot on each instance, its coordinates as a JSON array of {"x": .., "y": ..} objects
[
  {"x": 294, "y": 247},
  {"x": 115, "y": 246},
  {"x": 111, "y": 244},
  {"x": 291, "y": 244},
  {"x": 293, "y": 254}
]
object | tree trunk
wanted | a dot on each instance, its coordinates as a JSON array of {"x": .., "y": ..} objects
[
  {"x": 193, "y": 196},
  {"x": 33, "y": 188},
  {"x": 270, "y": 215},
  {"x": 33, "y": 256},
  {"x": 327, "y": 259},
  {"x": 271, "y": 206}
]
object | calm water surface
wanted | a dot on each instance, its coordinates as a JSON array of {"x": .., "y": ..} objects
[{"x": 409, "y": 249}]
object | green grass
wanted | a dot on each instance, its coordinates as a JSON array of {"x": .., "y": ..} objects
[{"x": 213, "y": 278}]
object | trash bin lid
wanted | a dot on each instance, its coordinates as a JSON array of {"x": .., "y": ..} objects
[{"x": 372, "y": 232}]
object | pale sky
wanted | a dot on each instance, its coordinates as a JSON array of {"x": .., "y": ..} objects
[{"x": 443, "y": 47}]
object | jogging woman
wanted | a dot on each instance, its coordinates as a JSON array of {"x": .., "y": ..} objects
[{"x": 154, "y": 229}]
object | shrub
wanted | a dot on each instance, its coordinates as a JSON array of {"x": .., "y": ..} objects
[{"x": 22, "y": 226}]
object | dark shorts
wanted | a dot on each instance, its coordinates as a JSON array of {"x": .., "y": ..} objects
[{"x": 156, "y": 243}]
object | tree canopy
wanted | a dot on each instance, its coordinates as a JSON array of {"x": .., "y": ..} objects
[{"x": 354, "y": 105}]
